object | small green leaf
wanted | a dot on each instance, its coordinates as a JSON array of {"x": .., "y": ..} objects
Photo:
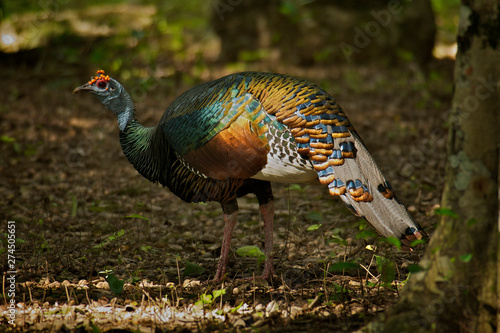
[
  {"x": 218, "y": 293},
  {"x": 466, "y": 257},
  {"x": 362, "y": 224},
  {"x": 115, "y": 284},
  {"x": 339, "y": 240},
  {"x": 341, "y": 266},
  {"x": 110, "y": 239},
  {"x": 190, "y": 268},
  {"x": 315, "y": 216},
  {"x": 415, "y": 268},
  {"x": 365, "y": 234},
  {"x": 446, "y": 212},
  {"x": 314, "y": 227},
  {"x": 394, "y": 241},
  {"x": 417, "y": 242},
  {"x": 116, "y": 235},
  {"x": 340, "y": 289},
  {"x": 135, "y": 280},
  {"x": 386, "y": 268},
  {"x": 295, "y": 187},
  {"x": 6, "y": 138},
  {"x": 74, "y": 205},
  {"x": 204, "y": 299},
  {"x": 236, "y": 308},
  {"x": 250, "y": 251},
  {"x": 137, "y": 216},
  {"x": 95, "y": 328}
]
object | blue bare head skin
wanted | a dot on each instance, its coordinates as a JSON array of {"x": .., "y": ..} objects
[{"x": 112, "y": 95}]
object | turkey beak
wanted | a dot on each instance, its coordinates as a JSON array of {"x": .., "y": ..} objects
[{"x": 85, "y": 87}]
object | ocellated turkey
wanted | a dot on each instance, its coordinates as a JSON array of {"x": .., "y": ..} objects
[{"x": 232, "y": 136}]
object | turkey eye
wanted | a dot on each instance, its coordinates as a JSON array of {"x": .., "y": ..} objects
[{"x": 101, "y": 84}]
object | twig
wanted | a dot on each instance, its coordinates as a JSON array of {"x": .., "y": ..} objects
[
  {"x": 367, "y": 271},
  {"x": 178, "y": 269}
]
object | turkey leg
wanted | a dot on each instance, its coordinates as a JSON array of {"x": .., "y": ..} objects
[
  {"x": 230, "y": 210},
  {"x": 267, "y": 211},
  {"x": 264, "y": 193}
]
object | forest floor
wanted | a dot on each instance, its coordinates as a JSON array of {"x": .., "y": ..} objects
[{"x": 82, "y": 212}]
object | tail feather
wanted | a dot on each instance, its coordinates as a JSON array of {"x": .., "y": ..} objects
[{"x": 383, "y": 211}]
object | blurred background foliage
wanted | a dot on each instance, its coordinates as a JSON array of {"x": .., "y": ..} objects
[{"x": 161, "y": 38}]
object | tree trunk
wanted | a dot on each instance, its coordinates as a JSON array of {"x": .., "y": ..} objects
[{"x": 458, "y": 289}]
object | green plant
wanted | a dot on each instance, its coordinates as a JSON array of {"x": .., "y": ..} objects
[
  {"x": 446, "y": 212},
  {"x": 110, "y": 239},
  {"x": 115, "y": 284},
  {"x": 74, "y": 205},
  {"x": 252, "y": 252},
  {"x": 313, "y": 227},
  {"x": 138, "y": 216},
  {"x": 386, "y": 269},
  {"x": 315, "y": 216},
  {"x": 393, "y": 241},
  {"x": 339, "y": 292},
  {"x": 343, "y": 266},
  {"x": 336, "y": 238},
  {"x": 209, "y": 299},
  {"x": 296, "y": 187},
  {"x": 190, "y": 268}
]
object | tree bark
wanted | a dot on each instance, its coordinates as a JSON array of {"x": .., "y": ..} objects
[{"x": 458, "y": 289}]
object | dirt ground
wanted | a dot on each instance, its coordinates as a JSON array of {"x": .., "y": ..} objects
[{"x": 82, "y": 211}]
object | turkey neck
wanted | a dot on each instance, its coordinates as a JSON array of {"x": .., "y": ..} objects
[{"x": 142, "y": 149}]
